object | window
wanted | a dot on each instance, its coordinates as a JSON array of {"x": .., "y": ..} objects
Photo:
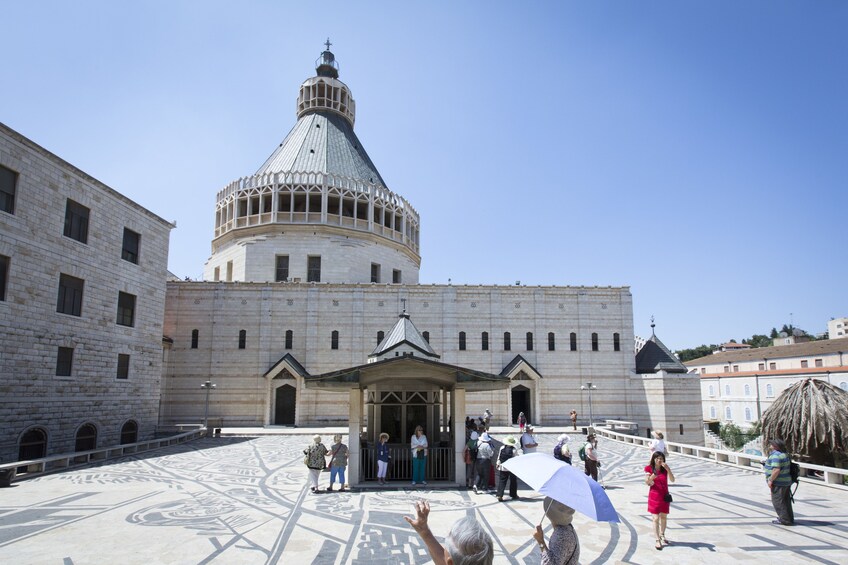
[
  {"x": 129, "y": 250},
  {"x": 747, "y": 414},
  {"x": 334, "y": 340},
  {"x": 33, "y": 445},
  {"x": 573, "y": 340},
  {"x": 551, "y": 341},
  {"x": 736, "y": 368},
  {"x": 728, "y": 415},
  {"x": 726, "y": 390},
  {"x": 769, "y": 391},
  {"x": 313, "y": 269},
  {"x": 462, "y": 341},
  {"x": 761, "y": 367},
  {"x": 818, "y": 362},
  {"x": 727, "y": 368},
  {"x": 242, "y": 339},
  {"x": 4, "y": 275},
  {"x": 289, "y": 339},
  {"x": 747, "y": 390},
  {"x": 123, "y": 366},
  {"x": 594, "y": 342},
  {"x": 380, "y": 336},
  {"x": 217, "y": 274},
  {"x": 507, "y": 342},
  {"x": 426, "y": 336},
  {"x": 529, "y": 341},
  {"x": 712, "y": 412},
  {"x": 86, "y": 439},
  {"x": 703, "y": 370},
  {"x": 70, "y": 295},
  {"x": 64, "y": 361},
  {"x": 397, "y": 277},
  {"x": 281, "y": 273},
  {"x": 76, "y": 221},
  {"x": 195, "y": 334},
  {"x": 375, "y": 272},
  {"x": 712, "y": 391},
  {"x": 8, "y": 187},
  {"x": 129, "y": 433},
  {"x": 772, "y": 366},
  {"x": 126, "y": 309},
  {"x": 804, "y": 364},
  {"x": 616, "y": 342},
  {"x": 229, "y": 271},
  {"x": 484, "y": 340}
]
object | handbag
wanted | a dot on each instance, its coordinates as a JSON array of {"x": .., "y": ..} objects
[{"x": 668, "y": 497}]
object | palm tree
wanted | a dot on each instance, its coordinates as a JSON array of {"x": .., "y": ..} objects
[{"x": 811, "y": 416}]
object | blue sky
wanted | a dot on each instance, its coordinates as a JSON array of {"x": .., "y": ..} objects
[{"x": 697, "y": 152}]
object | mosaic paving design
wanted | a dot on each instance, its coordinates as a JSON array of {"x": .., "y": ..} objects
[{"x": 244, "y": 500}]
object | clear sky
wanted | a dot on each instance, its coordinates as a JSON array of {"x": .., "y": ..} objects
[{"x": 694, "y": 151}]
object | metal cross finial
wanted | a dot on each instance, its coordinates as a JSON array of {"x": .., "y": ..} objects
[
  {"x": 328, "y": 44},
  {"x": 403, "y": 300}
]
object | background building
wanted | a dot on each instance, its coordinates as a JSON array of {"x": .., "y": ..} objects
[
  {"x": 837, "y": 328},
  {"x": 82, "y": 297}
]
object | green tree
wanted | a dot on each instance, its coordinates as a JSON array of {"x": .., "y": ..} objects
[
  {"x": 732, "y": 436},
  {"x": 695, "y": 353}
]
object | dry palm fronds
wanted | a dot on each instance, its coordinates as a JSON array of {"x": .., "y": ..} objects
[{"x": 808, "y": 415}]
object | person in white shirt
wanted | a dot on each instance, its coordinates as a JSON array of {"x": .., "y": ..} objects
[
  {"x": 658, "y": 443},
  {"x": 592, "y": 461},
  {"x": 528, "y": 442}
]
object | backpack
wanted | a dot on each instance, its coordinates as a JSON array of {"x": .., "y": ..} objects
[
  {"x": 507, "y": 452},
  {"x": 794, "y": 473},
  {"x": 472, "y": 450},
  {"x": 582, "y": 452},
  {"x": 558, "y": 451}
]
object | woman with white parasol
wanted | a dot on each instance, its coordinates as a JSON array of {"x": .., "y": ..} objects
[{"x": 564, "y": 548}]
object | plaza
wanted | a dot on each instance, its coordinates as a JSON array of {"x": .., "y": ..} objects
[{"x": 243, "y": 499}]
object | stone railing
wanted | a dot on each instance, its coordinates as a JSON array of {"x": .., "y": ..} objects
[
  {"x": 62, "y": 461},
  {"x": 831, "y": 476}
]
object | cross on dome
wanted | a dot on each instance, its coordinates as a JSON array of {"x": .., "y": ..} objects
[{"x": 328, "y": 44}]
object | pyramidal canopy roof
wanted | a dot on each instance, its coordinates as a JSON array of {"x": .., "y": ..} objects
[
  {"x": 655, "y": 357},
  {"x": 404, "y": 331}
]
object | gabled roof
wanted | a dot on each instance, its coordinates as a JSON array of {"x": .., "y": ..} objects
[
  {"x": 517, "y": 365},
  {"x": 820, "y": 347},
  {"x": 323, "y": 142},
  {"x": 404, "y": 332},
  {"x": 286, "y": 362},
  {"x": 655, "y": 357}
]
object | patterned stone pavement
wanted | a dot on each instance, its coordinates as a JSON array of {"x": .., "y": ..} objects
[{"x": 244, "y": 500}]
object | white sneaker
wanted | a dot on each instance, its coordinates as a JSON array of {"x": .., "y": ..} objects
[
  {"x": 475, "y": 490},
  {"x": 413, "y": 483},
  {"x": 423, "y": 482}
]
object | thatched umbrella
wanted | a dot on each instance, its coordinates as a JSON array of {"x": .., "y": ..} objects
[{"x": 811, "y": 416}]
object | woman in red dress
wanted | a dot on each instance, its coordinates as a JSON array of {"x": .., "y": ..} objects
[{"x": 657, "y": 476}]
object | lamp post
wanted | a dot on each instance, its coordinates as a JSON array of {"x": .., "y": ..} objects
[
  {"x": 208, "y": 385},
  {"x": 589, "y": 387}
]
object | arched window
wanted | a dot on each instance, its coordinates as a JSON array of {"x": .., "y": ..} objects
[
  {"x": 380, "y": 336},
  {"x": 33, "y": 445},
  {"x": 242, "y": 339},
  {"x": 726, "y": 390},
  {"x": 426, "y": 336},
  {"x": 289, "y": 339},
  {"x": 334, "y": 340},
  {"x": 529, "y": 341},
  {"x": 573, "y": 339},
  {"x": 129, "y": 432},
  {"x": 507, "y": 341},
  {"x": 769, "y": 391},
  {"x": 551, "y": 341},
  {"x": 462, "y": 341},
  {"x": 728, "y": 415},
  {"x": 86, "y": 438},
  {"x": 747, "y": 390},
  {"x": 484, "y": 340},
  {"x": 747, "y": 414},
  {"x": 616, "y": 342},
  {"x": 712, "y": 390},
  {"x": 195, "y": 335},
  {"x": 594, "y": 342},
  {"x": 712, "y": 412}
]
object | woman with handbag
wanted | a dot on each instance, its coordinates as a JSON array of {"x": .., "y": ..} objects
[
  {"x": 315, "y": 460},
  {"x": 657, "y": 476},
  {"x": 419, "y": 446},
  {"x": 338, "y": 463}
]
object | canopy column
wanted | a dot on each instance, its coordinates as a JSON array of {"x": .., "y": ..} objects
[
  {"x": 355, "y": 426},
  {"x": 457, "y": 410}
]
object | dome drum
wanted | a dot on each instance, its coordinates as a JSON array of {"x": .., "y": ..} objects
[{"x": 326, "y": 94}]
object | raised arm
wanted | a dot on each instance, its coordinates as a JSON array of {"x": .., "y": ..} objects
[{"x": 419, "y": 524}]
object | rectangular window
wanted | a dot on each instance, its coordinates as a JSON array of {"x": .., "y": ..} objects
[
  {"x": 289, "y": 339},
  {"x": 551, "y": 341},
  {"x": 126, "y": 309},
  {"x": 64, "y": 361},
  {"x": 616, "y": 342},
  {"x": 761, "y": 367},
  {"x": 76, "y": 221},
  {"x": 123, "y": 366},
  {"x": 375, "y": 272},
  {"x": 70, "y": 295},
  {"x": 772, "y": 366},
  {"x": 282, "y": 270},
  {"x": 727, "y": 368},
  {"x": 462, "y": 341},
  {"x": 736, "y": 368},
  {"x": 229, "y": 271},
  {"x": 703, "y": 370},
  {"x": 573, "y": 341},
  {"x": 8, "y": 188},
  {"x": 507, "y": 341},
  {"x": 195, "y": 336},
  {"x": 396, "y": 276},
  {"x": 313, "y": 269},
  {"x": 216, "y": 276},
  {"x": 129, "y": 251},
  {"x": 529, "y": 341},
  {"x": 804, "y": 364},
  {"x": 4, "y": 276},
  {"x": 594, "y": 342},
  {"x": 484, "y": 341},
  {"x": 818, "y": 363}
]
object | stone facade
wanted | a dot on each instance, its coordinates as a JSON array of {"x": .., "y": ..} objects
[{"x": 32, "y": 237}]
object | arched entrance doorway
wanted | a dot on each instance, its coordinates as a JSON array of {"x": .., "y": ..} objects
[
  {"x": 284, "y": 403},
  {"x": 521, "y": 403}
]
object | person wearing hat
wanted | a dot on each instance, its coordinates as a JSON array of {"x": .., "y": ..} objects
[
  {"x": 528, "y": 441},
  {"x": 383, "y": 456},
  {"x": 506, "y": 453},
  {"x": 564, "y": 548},
  {"x": 561, "y": 450},
  {"x": 484, "y": 462},
  {"x": 592, "y": 462}
]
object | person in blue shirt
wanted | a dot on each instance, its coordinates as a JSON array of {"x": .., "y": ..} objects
[
  {"x": 780, "y": 482},
  {"x": 383, "y": 458}
]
